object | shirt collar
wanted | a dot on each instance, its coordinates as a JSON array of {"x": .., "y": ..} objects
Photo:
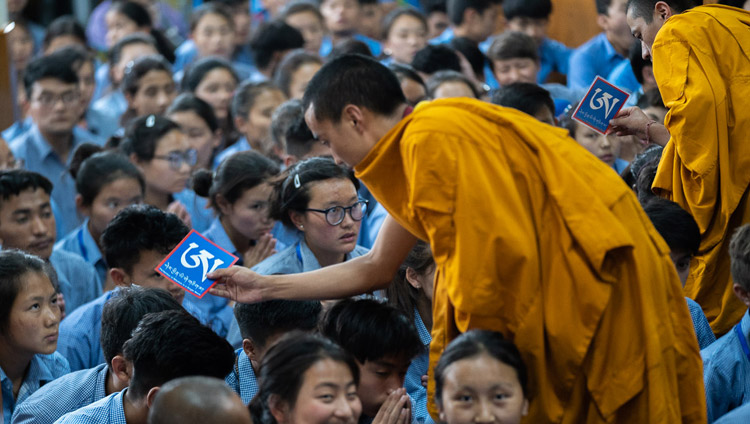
[
  {"x": 92, "y": 250},
  {"x": 100, "y": 390},
  {"x": 218, "y": 235},
  {"x": 424, "y": 334},
  {"x": 609, "y": 49}
]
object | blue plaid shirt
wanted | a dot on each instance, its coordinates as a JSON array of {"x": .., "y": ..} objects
[
  {"x": 77, "y": 279},
  {"x": 242, "y": 378},
  {"x": 42, "y": 370},
  {"x": 66, "y": 394},
  {"x": 700, "y": 323},
  {"x": 80, "y": 242},
  {"x": 726, "y": 372},
  {"x": 413, "y": 379},
  {"x": 109, "y": 410}
]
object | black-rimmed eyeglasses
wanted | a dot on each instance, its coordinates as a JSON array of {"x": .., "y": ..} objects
[{"x": 336, "y": 214}]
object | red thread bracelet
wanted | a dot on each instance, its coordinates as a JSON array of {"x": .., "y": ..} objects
[{"x": 648, "y": 135}]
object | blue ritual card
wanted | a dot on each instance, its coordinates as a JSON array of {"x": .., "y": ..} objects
[
  {"x": 188, "y": 264},
  {"x": 602, "y": 102}
]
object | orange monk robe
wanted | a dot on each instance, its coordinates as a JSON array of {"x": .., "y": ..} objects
[
  {"x": 538, "y": 239},
  {"x": 702, "y": 67}
]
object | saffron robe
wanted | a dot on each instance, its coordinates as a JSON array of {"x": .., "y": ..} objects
[
  {"x": 538, "y": 239},
  {"x": 702, "y": 67}
]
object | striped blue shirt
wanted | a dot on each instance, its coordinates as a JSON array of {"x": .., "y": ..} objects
[
  {"x": 700, "y": 324},
  {"x": 66, "y": 394},
  {"x": 80, "y": 242},
  {"x": 77, "y": 279},
  {"x": 42, "y": 370},
  {"x": 242, "y": 378},
  {"x": 109, "y": 410},
  {"x": 413, "y": 379}
]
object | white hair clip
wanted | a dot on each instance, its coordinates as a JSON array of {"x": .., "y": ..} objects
[
  {"x": 150, "y": 121},
  {"x": 297, "y": 184}
]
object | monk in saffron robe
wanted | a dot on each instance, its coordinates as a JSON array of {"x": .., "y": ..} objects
[
  {"x": 532, "y": 236},
  {"x": 701, "y": 63}
]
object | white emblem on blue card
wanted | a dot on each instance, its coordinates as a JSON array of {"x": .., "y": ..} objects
[{"x": 602, "y": 103}]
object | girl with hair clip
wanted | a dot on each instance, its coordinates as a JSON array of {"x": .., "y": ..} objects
[
  {"x": 239, "y": 193},
  {"x": 148, "y": 87},
  {"x": 158, "y": 148},
  {"x": 411, "y": 293},
  {"x": 106, "y": 183},
  {"x": 29, "y": 321},
  {"x": 307, "y": 379},
  {"x": 318, "y": 199},
  {"x": 481, "y": 377}
]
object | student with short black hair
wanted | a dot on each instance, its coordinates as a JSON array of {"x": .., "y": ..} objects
[
  {"x": 197, "y": 400},
  {"x": 528, "y": 98},
  {"x": 29, "y": 320},
  {"x": 135, "y": 242},
  {"x": 120, "y": 316},
  {"x": 437, "y": 17},
  {"x": 271, "y": 42},
  {"x": 431, "y": 59},
  {"x": 27, "y": 223},
  {"x": 473, "y": 19},
  {"x": 307, "y": 19},
  {"x": 404, "y": 33},
  {"x": 444, "y": 84},
  {"x": 383, "y": 341},
  {"x": 532, "y": 18},
  {"x": 288, "y": 126},
  {"x": 412, "y": 85},
  {"x": 295, "y": 71},
  {"x": 342, "y": 19},
  {"x": 165, "y": 346},
  {"x": 261, "y": 325},
  {"x": 63, "y": 32}
]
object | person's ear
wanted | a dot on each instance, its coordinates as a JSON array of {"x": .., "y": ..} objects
[
  {"x": 741, "y": 294},
  {"x": 298, "y": 220},
  {"x": 603, "y": 21},
  {"x": 83, "y": 209},
  {"x": 353, "y": 115},
  {"x": 223, "y": 204},
  {"x": 119, "y": 277},
  {"x": 136, "y": 161},
  {"x": 413, "y": 278},
  {"x": 525, "y": 409},
  {"x": 122, "y": 369},
  {"x": 289, "y": 160},
  {"x": 216, "y": 141},
  {"x": 278, "y": 408},
  {"x": 249, "y": 348},
  {"x": 151, "y": 396},
  {"x": 241, "y": 124},
  {"x": 662, "y": 10}
]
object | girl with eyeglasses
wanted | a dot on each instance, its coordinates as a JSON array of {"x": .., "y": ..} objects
[
  {"x": 239, "y": 193},
  {"x": 159, "y": 149},
  {"x": 317, "y": 198}
]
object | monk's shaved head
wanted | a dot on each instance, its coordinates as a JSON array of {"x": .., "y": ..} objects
[
  {"x": 197, "y": 400},
  {"x": 645, "y": 8}
]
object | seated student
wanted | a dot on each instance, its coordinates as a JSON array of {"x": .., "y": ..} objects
[
  {"x": 197, "y": 400},
  {"x": 64, "y": 31},
  {"x": 238, "y": 192},
  {"x": 20, "y": 47},
  {"x": 197, "y": 120},
  {"x": 158, "y": 148},
  {"x": 306, "y": 18},
  {"x": 489, "y": 370},
  {"x": 130, "y": 17},
  {"x": 604, "y": 147},
  {"x": 27, "y": 223},
  {"x": 106, "y": 183},
  {"x": 213, "y": 80},
  {"x": 171, "y": 22},
  {"x": 601, "y": 54},
  {"x": 342, "y": 19},
  {"x": 411, "y": 83},
  {"x": 319, "y": 199},
  {"x": 531, "y": 17},
  {"x": 528, "y": 98},
  {"x": 411, "y": 293},
  {"x": 652, "y": 105},
  {"x": 725, "y": 364},
  {"x": 349, "y": 46},
  {"x": 404, "y": 34},
  {"x": 213, "y": 33},
  {"x": 370, "y": 19},
  {"x": 295, "y": 71},
  {"x": 148, "y": 88},
  {"x": 296, "y": 372},
  {"x": 252, "y": 107},
  {"x": 165, "y": 346},
  {"x": 383, "y": 341},
  {"x": 271, "y": 42},
  {"x": 134, "y": 242},
  {"x": 431, "y": 59},
  {"x": 113, "y": 104},
  {"x": 474, "y": 63},
  {"x": 54, "y": 106},
  {"x": 29, "y": 320},
  {"x": 261, "y": 325},
  {"x": 473, "y": 19},
  {"x": 288, "y": 126},
  {"x": 444, "y": 84},
  {"x": 120, "y": 316},
  {"x": 678, "y": 228},
  {"x": 15, "y": 13},
  {"x": 437, "y": 17}
]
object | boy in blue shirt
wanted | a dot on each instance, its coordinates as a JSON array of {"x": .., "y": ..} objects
[
  {"x": 341, "y": 19},
  {"x": 73, "y": 391}
]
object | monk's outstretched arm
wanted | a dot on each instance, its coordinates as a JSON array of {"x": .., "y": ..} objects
[{"x": 366, "y": 273}]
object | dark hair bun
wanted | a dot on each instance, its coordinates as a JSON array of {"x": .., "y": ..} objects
[
  {"x": 83, "y": 152},
  {"x": 202, "y": 180}
]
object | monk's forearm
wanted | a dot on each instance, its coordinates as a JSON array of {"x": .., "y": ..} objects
[{"x": 658, "y": 134}]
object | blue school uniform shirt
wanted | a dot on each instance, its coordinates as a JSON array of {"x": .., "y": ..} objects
[
  {"x": 413, "y": 379},
  {"x": 200, "y": 216},
  {"x": 103, "y": 83},
  {"x": 739, "y": 415},
  {"x": 726, "y": 371},
  {"x": 595, "y": 57},
  {"x": 110, "y": 109},
  {"x": 18, "y": 129},
  {"x": 327, "y": 45},
  {"x": 553, "y": 56},
  {"x": 700, "y": 324},
  {"x": 80, "y": 242},
  {"x": 77, "y": 279},
  {"x": 240, "y": 145},
  {"x": 297, "y": 258},
  {"x": 66, "y": 394},
  {"x": 623, "y": 77},
  {"x": 109, "y": 410},
  {"x": 242, "y": 378},
  {"x": 42, "y": 370}
]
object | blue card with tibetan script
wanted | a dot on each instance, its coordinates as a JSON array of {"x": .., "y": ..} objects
[{"x": 602, "y": 102}]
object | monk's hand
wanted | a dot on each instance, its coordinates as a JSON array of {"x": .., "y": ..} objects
[
  {"x": 237, "y": 283},
  {"x": 395, "y": 410},
  {"x": 630, "y": 121},
  {"x": 264, "y": 247}
]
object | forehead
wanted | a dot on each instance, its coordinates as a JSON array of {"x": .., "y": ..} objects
[
  {"x": 212, "y": 19},
  {"x": 136, "y": 50},
  {"x": 25, "y": 199},
  {"x": 171, "y": 141},
  {"x": 53, "y": 85}
]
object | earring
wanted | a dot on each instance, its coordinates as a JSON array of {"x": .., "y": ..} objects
[{"x": 301, "y": 227}]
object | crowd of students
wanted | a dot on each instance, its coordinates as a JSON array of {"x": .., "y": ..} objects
[{"x": 500, "y": 252}]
